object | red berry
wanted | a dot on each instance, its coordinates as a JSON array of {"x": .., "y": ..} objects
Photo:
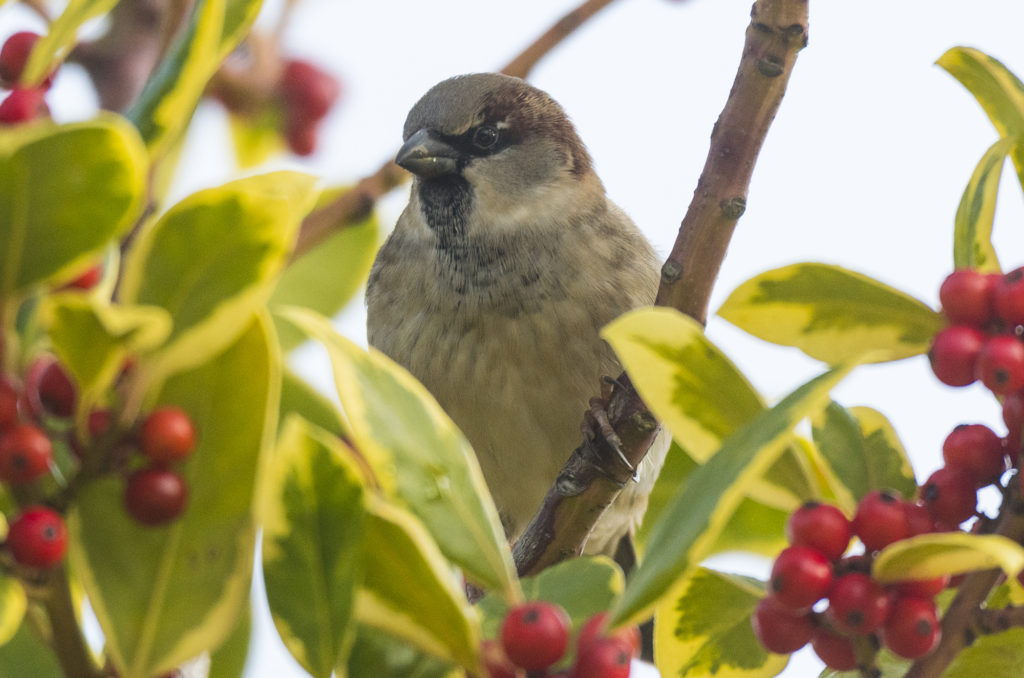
[
  {"x": 154, "y": 496},
  {"x": 14, "y": 55},
  {"x": 21, "y": 105},
  {"x": 597, "y": 627},
  {"x": 834, "y": 650},
  {"x": 167, "y": 435},
  {"x": 88, "y": 279},
  {"x": 25, "y": 454},
  {"x": 781, "y": 631},
  {"x": 535, "y": 635},
  {"x": 881, "y": 519},
  {"x": 54, "y": 391},
  {"x": 800, "y": 578},
  {"x": 954, "y": 353},
  {"x": 950, "y": 496},
  {"x": 975, "y": 450},
  {"x": 919, "y": 520},
  {"x": 308, "y": 91},
  {"x": 301, "y": 137},
  {"x": 1008, "y": 297},
  {"x": 966, "y": 297},
  {"x": 8, "y": 405},
  {"x": 820, "y": 526},
  {"x": 38, "y": 537},
  {"x": 604, "y": 657},
  {"x": 912, "y": 630},
  {"x": 922, "y": 588},
  {"x": 1000, "y": 364},
  {"x": 857, "y": 603}
]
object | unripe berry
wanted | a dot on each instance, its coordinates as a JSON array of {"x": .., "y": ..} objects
[
  {"x": 167, "y": 435},
  {"x": 966, "y": 297},
  {"x": 38, "y": 537},
  {"x": 912, "y": 630},
  {"x": 604, "y": 657},
  {"x": 154, "y": 496},
  {"x": 820, "y": 526},
  {"x": 950, "y": 496},
  {"x": 800, "y": 577},
  {"x": 1008, "y": 297},
  {"x": 857, "y": 603},
  {"x": 25, "y": 454},
  {"x": 954, "y": 352},
  {"x": 781, "y": 631},
  {"x": 834, "y": 650},
  {"x": 14, "y": 55},
  {"x": 535, "y": 635},
  {"x": 975, "y": 450},
  {"x": 1000, "y": 364},
  {"x": 881, "y": 519}
]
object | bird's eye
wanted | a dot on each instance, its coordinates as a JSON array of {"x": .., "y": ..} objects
[{"x": 485, "y": 136}]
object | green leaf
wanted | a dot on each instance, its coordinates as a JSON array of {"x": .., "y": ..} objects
[
  {"x": 999, "y": 92},
  {"x": 689, "y": 526},
  {"x": 166, "y": 594},
  {"x": 298, "y": 397},
  {"x": 228, "y": 660},
  {"x": 166, "y": 104},
  {"x": 313, "y": 522},
  {"x": 410, "y": 591},
  {"x": 93, "y": 337},
  {"x": 832, "y": 314},
  {"x": 972, "y": 228},
  {"x": 27, "y": 655},
  {"x": 863, "y": 452},
  {"x": 933, "y": 555},
  {"x": 380, "y": 655},
  {"x": 327, "y": 277},
  {"x": 13, "y": 604},
  {"x": 1000, "y": 654},
  {"x": 65, "y": 192},
  {"x": 704, "y": 630},
  {"x": 256, "y": 137},
  {"x": 396, "y": 424},
  {"x": 890, "y": 665},
  {"x": 61, "y": 37},
  {"x": 212, "y": 259}
]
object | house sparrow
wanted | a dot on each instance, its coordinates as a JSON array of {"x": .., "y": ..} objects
[{"x": 505, "y": 264}]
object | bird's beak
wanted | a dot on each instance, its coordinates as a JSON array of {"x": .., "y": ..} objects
[{"x": 426, "y": 156}]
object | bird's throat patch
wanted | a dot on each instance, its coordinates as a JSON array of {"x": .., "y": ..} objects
[{"x": 446, "y": 203}]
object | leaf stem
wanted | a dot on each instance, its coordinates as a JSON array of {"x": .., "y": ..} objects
[{"x": 67, "y": 639}]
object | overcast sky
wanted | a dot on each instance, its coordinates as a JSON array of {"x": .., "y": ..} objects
[{"x": 864, "y": 165}]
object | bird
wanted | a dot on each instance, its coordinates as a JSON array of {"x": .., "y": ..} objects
[{"x": 494, "y": 284}]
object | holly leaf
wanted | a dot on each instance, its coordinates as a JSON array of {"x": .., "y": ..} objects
[
  {"x": 147, "y": 584},
  {"x": 998, "y": 91},
  {"x": 211, "y": 261},
  {"x": 863, "y": 453},
  {"x": 313, "y": 522},
  {"x": 61, "y": 36},
  {"x": 13, "y": 604},
  {"x": 832, "y": 314},
  {"x": 703, "y": 629},
  {"x": 396, "y": 424},
  {"x": 381, "y": 655},
  {"x": 948, "y": 553},
  {"x": 972, "y": 227},
  {"x": 688, "y": 527},
  {"x": 998, "y": 654},
  {"x": 65, "y": 192}
]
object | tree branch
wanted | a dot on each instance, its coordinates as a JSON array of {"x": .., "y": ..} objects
[
  {"x": 777, "y": 32},
  {"x": 353, "y": 206}
]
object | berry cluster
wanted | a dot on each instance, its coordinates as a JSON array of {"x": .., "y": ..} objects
[
  {"x": 36, "y": 420},
  {"x": 23, "y": 103},
  {"x": 535, "y": 637},
  {"x": 818, "y": 595}
]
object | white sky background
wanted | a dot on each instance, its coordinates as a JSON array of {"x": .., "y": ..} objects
[{"x": 863, "y": 167}]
